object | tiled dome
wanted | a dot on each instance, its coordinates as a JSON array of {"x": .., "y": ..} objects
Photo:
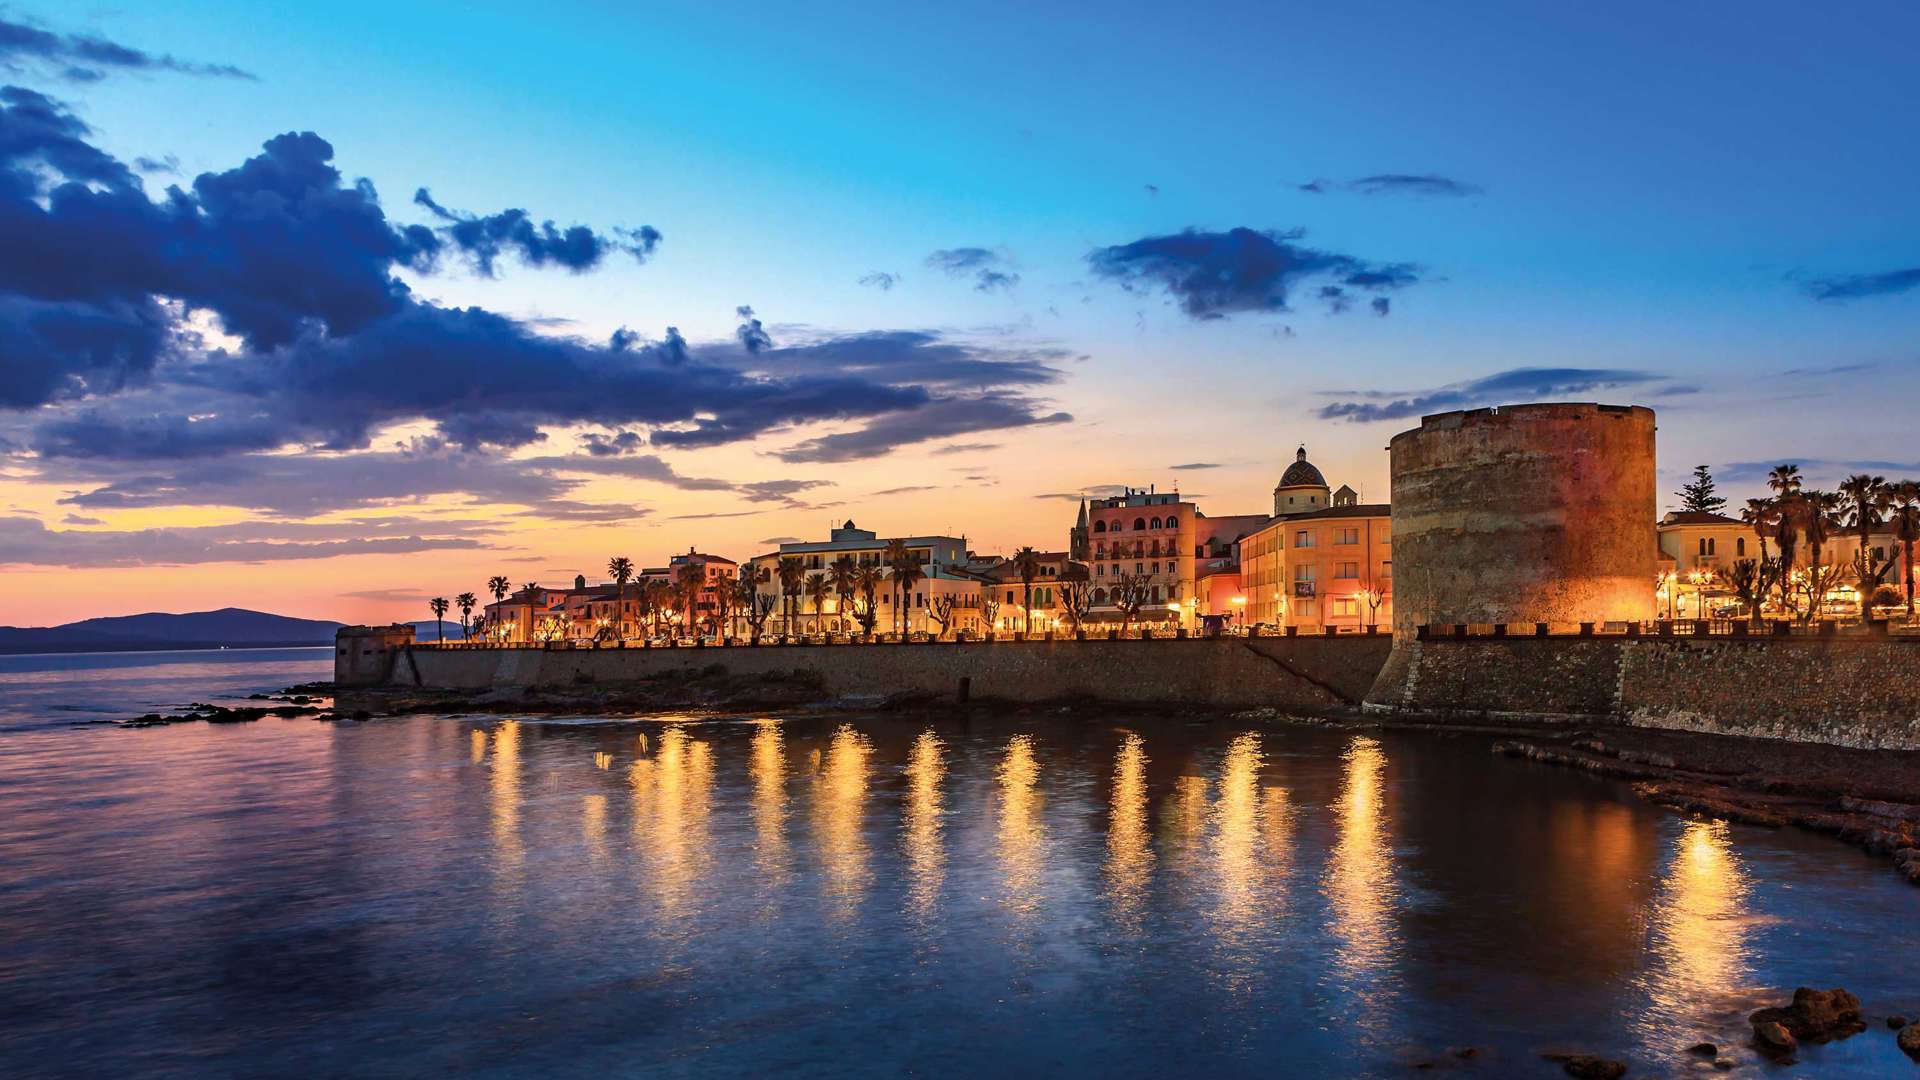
[{"x": 1302, "y": 473}]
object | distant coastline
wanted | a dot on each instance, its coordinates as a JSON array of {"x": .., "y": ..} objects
[{"x": 70, "y": 648}]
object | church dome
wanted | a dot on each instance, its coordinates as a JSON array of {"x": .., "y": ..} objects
[{"x": 1302, "y": 473}]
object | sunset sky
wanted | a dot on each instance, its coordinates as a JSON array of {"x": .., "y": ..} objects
[{"x": 326, "y": 309}]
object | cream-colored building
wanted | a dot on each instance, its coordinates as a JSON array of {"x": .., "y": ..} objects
[{"x": 951, "y": 571}]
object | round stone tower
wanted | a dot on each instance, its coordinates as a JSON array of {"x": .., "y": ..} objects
[{"x": 1524, "y": 514}]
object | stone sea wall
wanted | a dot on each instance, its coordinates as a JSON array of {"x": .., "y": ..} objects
[
  {"x": 1304, "y": 672},
  {"x": 1845, "y": 691}
]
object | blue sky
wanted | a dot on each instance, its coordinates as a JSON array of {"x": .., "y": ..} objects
[{"x": 1637, "y": 189}]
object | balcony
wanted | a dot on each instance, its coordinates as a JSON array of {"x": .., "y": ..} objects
[{"x": 1303, "y": 588}]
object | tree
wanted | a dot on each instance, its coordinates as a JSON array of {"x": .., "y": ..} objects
[
  {"x": 656, "y": 601},
  {"x": 692, "y": 581},
  {"x": 818, "y": 589},
  {"x": 1129, "y": 594},
  {"x": 438, "y": 605},
  {"x": 989, "y": 608},
  {"x": 844, "y": 574},
  {"x": 1784, "y": 480},
  {"x": 1759, "y": 515},
  {"x": 896, "y": 555},
  {"x": 466, "y": 600},
  {"x": 1786, "y": 536},
  {"x": 723, "y": 605},
  {"x": 498, "y": 586},
  {"x": 867, "y": 578},
  {"x": 941, "y": 611},
  {"x": 906, "y": 574},
  {"x": 1076, "y": 600},
  {"x": 1026, "y": 563},
  {"x": 1373, "y": 598},
  {"x": 1906, "y": 529},
  {"x": 791, "y": 571},
  {"x": 1816, "y": 518},
  {"x": 620, "y": 569},
  {"x": 1698, "y": 495},
  {"x": 1866, "y": 497},
  {"x": 1749, "y": 579},
  {"x": 754, "y": 605}
]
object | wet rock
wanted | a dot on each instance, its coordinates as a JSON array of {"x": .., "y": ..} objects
[
  {"x": 1773, "y": 1038},
  {"x": 1908, "y": 862},
  {"x": 1909, "y": 1040},
  {"x": 1704, "y": 1049},
  {"x": 1815, "y": 1016},
  {"x": 1896, "y": 1021},
  {"x": 1590, "y": 1066}
]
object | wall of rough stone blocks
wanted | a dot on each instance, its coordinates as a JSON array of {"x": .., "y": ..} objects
[
  {"x": 1303, "y": 672},
  {"x": 1847, "y": 691}
]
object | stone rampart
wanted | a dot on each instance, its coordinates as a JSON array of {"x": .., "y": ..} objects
[
  {"x": 1302, "y": 672},
  {"x": 1860, "y": 691}
]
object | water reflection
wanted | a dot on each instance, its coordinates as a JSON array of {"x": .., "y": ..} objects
[
  {"x": 1360, "y": 884},
  {"x": 1021, "y": 832},
  {"x": 1129, "y": 868},
  {"x": 1699, "y": 922},
  {"x": 479, "y": 743},
  {"x": 504, "y": 798},
  {"x": 1236, "y": 830},
  {"x": 839, "y": 805},
  {"x": 926, "y": 851},
  {"x": 672, "y": 795},
  {"x": 768, "y": 770},
  {"x": 593, "y": 827}
]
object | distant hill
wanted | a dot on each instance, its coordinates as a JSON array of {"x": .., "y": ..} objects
[
  {"x": 231, "y": 627},
  {"x": 424, "y": 629}
]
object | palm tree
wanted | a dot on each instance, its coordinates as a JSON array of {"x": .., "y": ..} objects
[
  {"x": 1026, "y": 563},
  {"x": 466, "y": 600},
  {"x": 1866, "y": 497},
  {"x": 896, "y": 554},
  {"x": 1784, "y": 480},
  {"x": 1786, "y": 535},
  {"x": 867, "y": 578},
  {"x": 499, "y": 586},
  {"x": 845, "y": 575},
  {"x": 1758, "y": 515},
  {"x": 439, "y": 607},
  {"x": 620, "y": 569},
  {"x": 818, "y": 589},
  {"x": 906, "y": 574},
  {"x": 1818, "y": 509},
  {"x": 791, "y": 572},
  {"x": 656, "y": 601},
  {"x": 692, "y": 579},
  {"x": 1906, "y": 529}
]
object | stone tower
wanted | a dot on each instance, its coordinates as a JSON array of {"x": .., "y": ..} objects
[{"x": 1078, "y": 547}]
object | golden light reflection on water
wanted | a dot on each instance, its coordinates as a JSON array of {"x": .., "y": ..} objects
[
  {"x": 593, "y": 826},
  {"x": 672, "y": 794},
  {"x": 1236, "y": 835},
  {"x": 925, "y": 847},
  {"x": 1129, "y": 843},
  {"x": 479, "y": 741},
  {"x": 504, "y": 796},
  {"x": 769, "y": 774},
  {"x": 1360, "y": 884},
  {"x": 1699, "y": 920},
  {"x": 839, "y": 806},
  {"x": 1021, "y": 833}
]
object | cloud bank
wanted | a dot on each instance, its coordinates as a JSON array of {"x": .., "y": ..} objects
[{"x": 1213, "y": 275}]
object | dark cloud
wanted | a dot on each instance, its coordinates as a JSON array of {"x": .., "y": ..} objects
[
  {"x": 1095, "y": 491},
  {"x": 981, "y": 264},
  {"x": 938, "y": 419},
  {"x": 1153, "y": 189},
  {"x": 1396, "y": 184},
  {"x": 1217, "y": 274},
  {"x": 1506, "y": 387},
  {"x": 752, "y": 336},
  {"x": 781, "y": 540},
  {"x": 577, "y": 247},
  {"x": 167, "y": 164},
  {"x": 77, "y": 519},
  {"x": 599, "y": 445},
  {"x": 87, "y": 57},
  {"x": 1194, "y": 465},
  {"x": 921, "y": 357},
  {"x": 718, "y": 516},
  {"x": 26, "y": 542},
  {"x": 1861, "y": 286},
  {"x": 589, "y": 513},
  {"x": 1382, "y": 306},
  {"x": 881, "y": 280},
  {"x": 966, "y": 448},
  {"x": 908, "y": 490}
]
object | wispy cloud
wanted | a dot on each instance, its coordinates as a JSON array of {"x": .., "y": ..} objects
[
  {"x": 1862, "y": 286},
  {"x": 881, "y": 280},
  {"x": 987, "y": 268},
  {"x": 1506, "y": 387},
  {"x": 85, "y": 58},
  {"x": 1194, "y": 465},
  {"x": 1397, "y": 184}
]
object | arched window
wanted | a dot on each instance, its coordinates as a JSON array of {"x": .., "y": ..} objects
[
  {"x": 1153, "y": 595},
  {"x": 1099, "y": 596},
  {"x": 1099, "y": 526},
  {"x": 1139, "y": 523},
  {"x": 1740, "y": 545},
  {"x": 1155, "y": 523}
]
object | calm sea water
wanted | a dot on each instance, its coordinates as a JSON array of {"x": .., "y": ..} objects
[{"x": 685, "y": 896}]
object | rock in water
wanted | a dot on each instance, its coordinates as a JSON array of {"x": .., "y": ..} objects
[
  {"x": 1704, "y": 1049},
  {"x": 1773, "y": 1038},
  {"x": 1816, "y": 1015},
  {"x": 1909, "y": 1040},
  {"x": 1590, "y": 1067}
]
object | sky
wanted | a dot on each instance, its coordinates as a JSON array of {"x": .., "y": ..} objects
[{"x": 334, "y": 308}]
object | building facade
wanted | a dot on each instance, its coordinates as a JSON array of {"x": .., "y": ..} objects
[{"x": 1323, "y": 560}]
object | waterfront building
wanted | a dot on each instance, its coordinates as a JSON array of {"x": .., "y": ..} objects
[
  {"x": 1324, "y": 559},
  {"x": 1003, "y": 586},
  {"x": 531, "y": 614},
  {"x": 1160, "y": 538},
  {"x": 1698, "y": 548},
  {"x": 950, "y": 572}
]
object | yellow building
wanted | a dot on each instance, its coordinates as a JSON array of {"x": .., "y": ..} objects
[{"x": 1324, "y": 559}]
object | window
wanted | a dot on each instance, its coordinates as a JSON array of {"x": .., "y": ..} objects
[
  {"x": 1100, "y": 526},
  {"x": 1154, "y": 524},
  {"x": 1343, "y": 605},
  {"x": 1303, "y": 539},
  {"x": 1740, "y": 545},
  {"x": 1346, "y": 536},
  {"x": 1346, "y": 570},
  {"x": 1099, "y": 569},
  {"x": 1009, "y": 596},
  {"x": 1303, "y": 572},
  {"x": 1706, "y": 545},
  {"x": 1386, "y": 569},
  {"x": 1153, "y": 595},
  {"x": 1099, "y": 596},
  {"x": 1139, "y": 523},
  {"x": 1139, "y": 568}
]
